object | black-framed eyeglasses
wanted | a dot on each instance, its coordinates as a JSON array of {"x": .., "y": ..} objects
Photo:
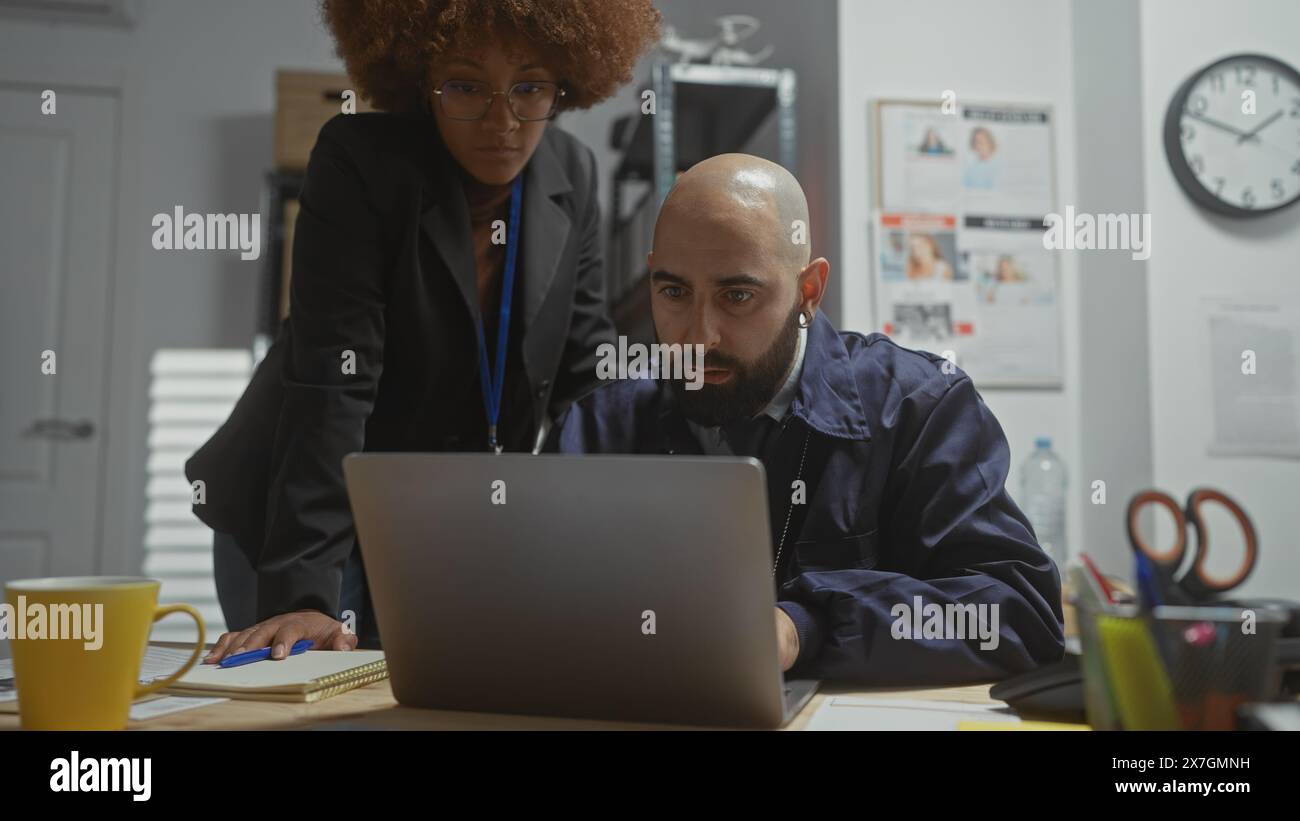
[{"x": 471, "y": 100}]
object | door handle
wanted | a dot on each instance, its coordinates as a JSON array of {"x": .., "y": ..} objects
[{"x": 60, "y": 430}]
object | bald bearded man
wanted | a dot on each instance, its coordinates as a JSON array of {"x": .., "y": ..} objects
[{"x": 899, "y": 557}]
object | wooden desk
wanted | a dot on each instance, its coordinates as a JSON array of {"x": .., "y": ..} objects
[{"x": 374, "y": 708}]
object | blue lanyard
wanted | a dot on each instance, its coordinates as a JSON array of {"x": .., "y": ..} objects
[{"x": 494, "y": 383}]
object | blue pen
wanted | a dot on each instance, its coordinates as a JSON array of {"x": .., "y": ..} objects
[
  {"x": 1149, "y": 593},
  {"x": 299, "y": 646}
]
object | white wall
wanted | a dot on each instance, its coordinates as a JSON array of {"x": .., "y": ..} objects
[
  {"x": 1114, "y": 374},
  {"x": 1195, "y": 254},
  {"x": 1008, "y": 51}
]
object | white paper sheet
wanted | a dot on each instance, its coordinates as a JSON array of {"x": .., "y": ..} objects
[
  {"x": 857, "y": 713},
  {"x": 167, "y": 705},
  {"x": 159, "y": 662},
  {"x": 1254, "y": 362}
]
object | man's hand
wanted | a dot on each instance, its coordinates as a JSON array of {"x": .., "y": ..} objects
[
  {"x": 787, "y": 640},
  {"x": 280, "y": 632}
]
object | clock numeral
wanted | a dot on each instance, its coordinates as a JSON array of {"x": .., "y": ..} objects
[
  {"x": 1216, "y": 81},
  {"x": 1245, "y": 75},
  {"x": 1198, "y": 164},
  {"x": 1198, "y": 104},
  {"x": 1275, "y": 84},
  {"x": 1188, "y": 132},
  {"x": 1247, "y": 197},
  {"x": 1218, "y": 188},
  {"x": 1278, "y": 192},
  {"x": 1295, "y": 107}
]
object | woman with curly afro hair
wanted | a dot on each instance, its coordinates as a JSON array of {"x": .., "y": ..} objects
[{"x": 447, "y": 291}]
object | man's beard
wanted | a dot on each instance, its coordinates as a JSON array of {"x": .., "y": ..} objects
[{"x": 750, "y": 387}]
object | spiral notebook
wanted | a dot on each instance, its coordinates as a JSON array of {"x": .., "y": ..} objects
[{"x": 309, "y": 676}]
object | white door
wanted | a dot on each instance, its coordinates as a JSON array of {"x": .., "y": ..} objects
[{"x": 57, "y": 205}]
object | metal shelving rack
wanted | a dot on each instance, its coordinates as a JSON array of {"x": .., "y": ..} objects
[{"x": 700, "y": 110}]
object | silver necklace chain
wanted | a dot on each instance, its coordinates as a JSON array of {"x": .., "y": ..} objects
[{"x": 789, "y": 513}]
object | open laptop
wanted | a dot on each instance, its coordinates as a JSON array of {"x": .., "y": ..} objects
[{"x": 634, "y": 588}]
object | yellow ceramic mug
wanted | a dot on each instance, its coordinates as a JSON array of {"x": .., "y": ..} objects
[{"x": 77, "y": 647}]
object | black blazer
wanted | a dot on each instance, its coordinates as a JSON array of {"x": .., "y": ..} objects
[{"x": 383, "y": 267}]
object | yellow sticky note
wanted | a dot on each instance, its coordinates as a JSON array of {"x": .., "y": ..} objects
[{"x": 1019, "y": 725}]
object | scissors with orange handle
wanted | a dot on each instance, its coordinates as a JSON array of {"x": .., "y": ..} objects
[{"x": 1194, "y": 584}]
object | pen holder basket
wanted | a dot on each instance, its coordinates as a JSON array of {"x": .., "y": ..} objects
[{"x": 1176, "y": 667}]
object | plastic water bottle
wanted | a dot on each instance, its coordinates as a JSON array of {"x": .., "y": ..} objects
[{"x": 1042, "y": 493}]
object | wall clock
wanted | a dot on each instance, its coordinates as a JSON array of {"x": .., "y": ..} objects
[{"x": 1232, "y": 135}]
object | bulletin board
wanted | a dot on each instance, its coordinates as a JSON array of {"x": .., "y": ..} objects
[{"x": 957, "y": 256}]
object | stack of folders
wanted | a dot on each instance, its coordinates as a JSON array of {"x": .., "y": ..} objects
[{"x": 309, "y": 676}]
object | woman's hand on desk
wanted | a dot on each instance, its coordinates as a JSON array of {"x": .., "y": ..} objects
[{"x": 280, "y": 632}]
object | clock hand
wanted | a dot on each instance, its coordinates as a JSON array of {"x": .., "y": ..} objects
[
  {"x": 1256, "y": 129},
  {"x": 1216, "y": 123}
]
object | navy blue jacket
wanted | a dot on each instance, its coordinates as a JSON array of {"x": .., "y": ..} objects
[{"x": 905, "y": 470}]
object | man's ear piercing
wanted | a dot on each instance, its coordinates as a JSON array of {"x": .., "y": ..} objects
[{"x": 805, "y": 319}]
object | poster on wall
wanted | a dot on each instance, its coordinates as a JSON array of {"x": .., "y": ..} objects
[{"x": 958, "y": 262}]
